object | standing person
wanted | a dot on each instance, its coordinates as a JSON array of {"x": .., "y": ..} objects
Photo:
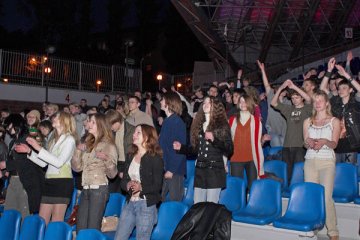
[
  {"x": 3, "y": 158},
  {"x": 136, "y": 116},
  {"x": 173, "y": 129},
  {"x": 321, "y": 134},
  {"x": 295, "y": 115},
  {"x": 96, "y": 158},
  {"x": 123, "y": 140},
  {"x": 275, "y": 122},
  {"x": 345, "y": 107},
  {"x": 142, "y": 182},
  {"x": 58, "y": 179},
  {"x": 211, "y": 140},
  {"x": 24, "y": 191},
  {"x": 246, "y": 132}
]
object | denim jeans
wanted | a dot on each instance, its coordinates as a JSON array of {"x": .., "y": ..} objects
[
  {"x": 136, "y": 214},
  {"x": 206, "y": 195},
  {"x": 173, "y": 186},
  {"x": 91, "y": 208}
]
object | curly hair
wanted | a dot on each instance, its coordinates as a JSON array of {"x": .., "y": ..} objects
[{"x": 217, "y": 120}]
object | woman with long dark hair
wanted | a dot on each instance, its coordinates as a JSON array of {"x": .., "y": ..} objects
[
  {"x": 96, "y": 158},
  {"x": 211, "y": 140},
  {"x": 142, "y": 181}
]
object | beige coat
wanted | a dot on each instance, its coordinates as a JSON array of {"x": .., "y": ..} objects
[{"x": 96, "y": 171}]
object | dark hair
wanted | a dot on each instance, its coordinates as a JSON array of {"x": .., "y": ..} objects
[
  {"x": 345, "y": 82},
  {"x": 135, "y": 97},
  {"x": 217, "y": 119},
  {"x": 18, "y": 123},
  {"x": 46, "y": 124}
]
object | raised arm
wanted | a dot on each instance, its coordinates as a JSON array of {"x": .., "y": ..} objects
[
  {"x": 325, "y": 81},
  {"x": 346, "y": 75},
  {"x": 303, "y": 94},
  {"x": 264, "y": 77},
  {"x": 275, "y": 100}
]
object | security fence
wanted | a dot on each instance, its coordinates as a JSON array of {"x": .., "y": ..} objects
[{"x": 42, "y": 70}]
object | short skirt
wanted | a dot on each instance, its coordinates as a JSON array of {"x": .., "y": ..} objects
[{"x": 57, "y": 190}]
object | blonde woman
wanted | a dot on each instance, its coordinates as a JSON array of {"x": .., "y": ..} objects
[
  {"x": 97, "y": 159},
  {"x": 58, "y": 179},
  {"x": 321, "y": 134}
]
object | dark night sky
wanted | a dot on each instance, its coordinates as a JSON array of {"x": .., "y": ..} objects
[{"x": 178, "y": 53}]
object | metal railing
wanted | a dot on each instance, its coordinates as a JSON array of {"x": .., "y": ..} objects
[{"x": 42, "y": 70}]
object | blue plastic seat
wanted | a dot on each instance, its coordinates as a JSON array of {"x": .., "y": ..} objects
[
  {"x": 58, "y": 231},
  {"x": 297, "y": 177},
  {"x": 170, "y": 214},
  {"x": 274, "y": 153},
  {"x": 345, "y": 183},
  {"x": 90, "y": 234},
  {"x": 264, "y": 205},
  {"x": 279, "y": 168},
  {"x": 357, "y": 200},
  {"x": 190, "y": 171},
  {"x": 189, "y": 196},
  {"x": 71, "y": 205},
  {"x": 233, "y": 196},
  {"x": 306, "y": 208},
  {"x": 114, "y": 205},
  {"x": 10, "y": 225},
  {"x": 32, "y": 228}
]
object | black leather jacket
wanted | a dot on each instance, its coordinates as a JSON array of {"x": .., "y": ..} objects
[
  {"x": 351, "y": 114},
  {"x": 204, "y": 220}
]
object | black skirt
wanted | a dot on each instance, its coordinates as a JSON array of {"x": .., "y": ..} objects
[
  {"x": 57, "y": 190},
  {"x": 209, "y": 177}
]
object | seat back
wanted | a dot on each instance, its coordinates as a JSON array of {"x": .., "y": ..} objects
[
  {"x": 10, "y": 224},
  {"x": 189, "y": 196},
  {"x": 58, "y": 231},
  {"x": 345, "y": 183},
  {"x": 170, "y": 214},
  {"x": 298, "y": 173},
  {"x": 71, "y": 205},
  {"x": 190, "y": 171},
  {"x": 265, "y": 197},
  {"x": 274, "y": 153},
  {"x": 33, "y": 228},
  {"x": 307, "y": 202},
  {"x": 233, "y": 196},
  {"x": 279, "y": 168},
  {"x": 90, "y": 234},
  {"x": 114, "y": 205}
]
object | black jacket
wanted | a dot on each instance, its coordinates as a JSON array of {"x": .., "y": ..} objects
[
  {"x": 151, "y": 176},
  {"x": 204, "y": 220}
]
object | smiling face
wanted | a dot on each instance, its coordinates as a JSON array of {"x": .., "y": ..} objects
[
  {"x": 138, "y": 138},
  {"x": 30, "y": 119}
]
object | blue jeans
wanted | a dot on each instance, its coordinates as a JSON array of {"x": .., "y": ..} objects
[
  {"x": 92, "y": 208},
  {"x": 136, "y": 214},
  {"x": 206, "y": 195}
]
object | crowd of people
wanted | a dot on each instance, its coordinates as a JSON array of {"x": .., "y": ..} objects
[{"x": 139, "y": 144}]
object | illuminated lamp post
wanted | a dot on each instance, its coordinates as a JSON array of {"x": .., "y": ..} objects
[
  {"x": 179, "y": 85},
  {"x": 98, "y": 83},
  {"x": 159, "y": 77}
]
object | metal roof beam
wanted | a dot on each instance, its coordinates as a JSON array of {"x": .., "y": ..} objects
[
  {"x": 268, "y": 36},
  {"x": 341, "y": 21},
  {"x": 306, "y": 21}
]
